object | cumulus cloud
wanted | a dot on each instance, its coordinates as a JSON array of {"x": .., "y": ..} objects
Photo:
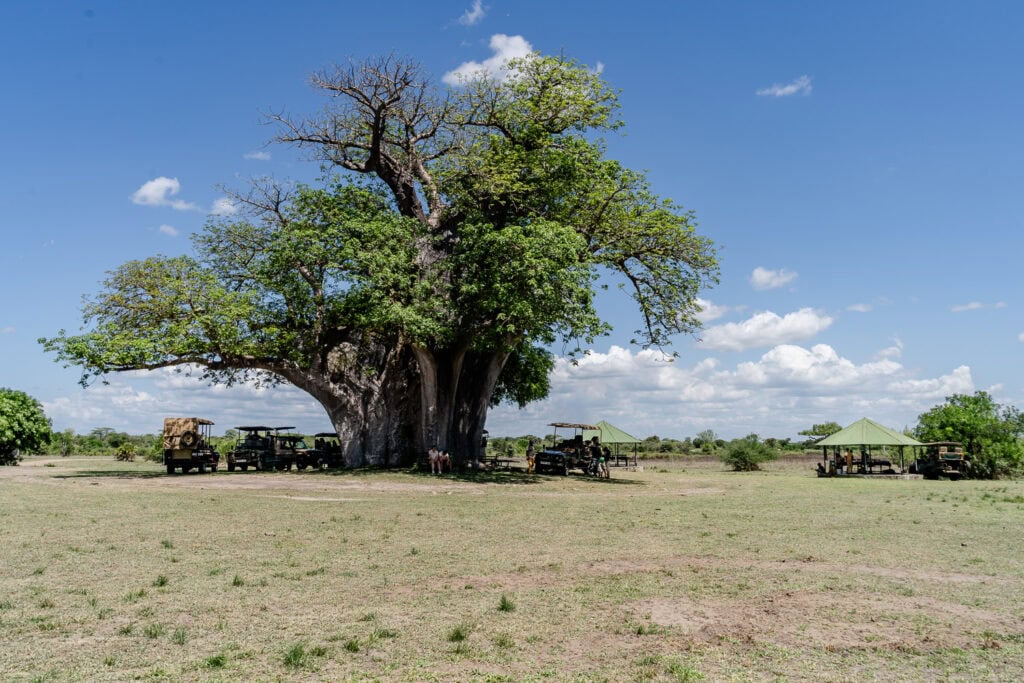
[
  {"x": 766, "y": 329},
  {"x": 710, "y": 311},
  {"x": 474, "y": 14},
  {"x": 169, "y": 230},
  {"x": 859, "y": 308},
  {"x": 160, "y": 192},
  {"x": 801, "y": 86},
  {"x": 11, "y": 330},
  {"x": 976, "y": 306},
  {"x": 257, "y": 155},
  {"x": 787, "y": 389},
  {"x": 1020, "y": 337},
  {"x": 223, "y": 207},
  {"x": 763, "y": 278},
  {"x": 504, "y": 48}
]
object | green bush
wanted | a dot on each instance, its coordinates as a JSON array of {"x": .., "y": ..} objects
[
  {"x": 747, "y": 454},
  {"x": 23, "y": 425}
]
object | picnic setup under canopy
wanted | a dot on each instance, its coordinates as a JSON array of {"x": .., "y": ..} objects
[
  {"x": 617, "y": 441},
  {"x": 864, "y": 435}
]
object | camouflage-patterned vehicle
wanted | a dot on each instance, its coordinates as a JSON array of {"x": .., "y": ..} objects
[
  {"x": 942, "y": 459},
  {"x": 187, "y": 445}
]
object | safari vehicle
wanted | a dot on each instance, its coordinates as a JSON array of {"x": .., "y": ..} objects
[
  {"x": 187, "y": 445},
  {"x": 328, "y": 449},
  {"x": 261, "y": 448},
  {"x": 565, "y": 454},
  {"x": 304, "y": 456},
  {"x": 942, "y": 459}
]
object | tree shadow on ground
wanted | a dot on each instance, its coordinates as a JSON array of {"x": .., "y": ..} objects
[{"x": 113, "y": 474}]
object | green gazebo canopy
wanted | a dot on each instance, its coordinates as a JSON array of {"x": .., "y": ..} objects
[
  {"x": 865, "y": 432},
  {"x": 609, "y": 434}
]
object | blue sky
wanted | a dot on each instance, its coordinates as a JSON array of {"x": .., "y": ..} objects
[{"x": 859, "y": 165}]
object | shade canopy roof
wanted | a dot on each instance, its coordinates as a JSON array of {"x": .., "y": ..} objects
[
  {"x": 865, "y": 432},
  {"x": 609, "y": 433}
]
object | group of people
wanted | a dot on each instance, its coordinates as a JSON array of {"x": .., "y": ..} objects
[{"x": 440, "y": 460}]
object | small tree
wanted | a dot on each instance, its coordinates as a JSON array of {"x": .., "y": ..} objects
[
  {"x": 706, "y": 441},
  {"x": 23, "y": 425},
  {"x": 747, "y": 454}
]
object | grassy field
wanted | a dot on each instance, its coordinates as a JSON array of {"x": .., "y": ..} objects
[{"x": 115, "y": 571}]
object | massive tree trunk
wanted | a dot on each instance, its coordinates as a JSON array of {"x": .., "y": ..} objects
[
  {"x": 455, "y": 391},
  {"x": 370, "y": 392}
]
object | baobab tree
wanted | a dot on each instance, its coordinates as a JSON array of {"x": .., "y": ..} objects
[{"x": 461, "y": 232}]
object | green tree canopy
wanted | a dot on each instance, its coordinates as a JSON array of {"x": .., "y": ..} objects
[
  {"x": 23, "y": 425},
  {"x": 820, "y": 431},
  {"x": 465, "y": 233},
  {"x": 991, "y": 433}
]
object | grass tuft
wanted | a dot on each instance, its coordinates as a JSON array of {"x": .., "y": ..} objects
[
  {"x": 506, "y": 604},
  {"x": 153, "y": 631},
  {"x": 459, "y": 633},
  {"x": 217, "y": 661}
]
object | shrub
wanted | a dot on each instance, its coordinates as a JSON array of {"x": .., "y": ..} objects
[
  {"x": 747, "y": 454},
  {"x": 23, "y": 425}
]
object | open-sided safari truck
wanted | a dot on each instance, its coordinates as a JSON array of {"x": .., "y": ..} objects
[
  {"x": 262, "y": 448},
  {"x": 941, "y": 459},
  {"x": 564, "y": 454},
  {"x": 187, "y": 445}
]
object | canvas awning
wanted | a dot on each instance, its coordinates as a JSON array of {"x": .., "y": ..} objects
[
  {"x": 609, "y": 434},
  {"x": 865, "y": 432}
]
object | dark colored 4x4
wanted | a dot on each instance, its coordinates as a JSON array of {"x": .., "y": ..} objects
[
  {"x": 261, "y": 448},
  {"x": 565, "y": 454}
]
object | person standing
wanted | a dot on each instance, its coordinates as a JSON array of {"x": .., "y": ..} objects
[
  {"x": 433, "y": 458},
  {"x": 530, "y": 453}
]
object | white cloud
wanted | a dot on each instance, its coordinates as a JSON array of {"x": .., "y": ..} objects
[
  {"x": 762, "y": 278},
  {"x": 504, "y": 48},
  {"x": 599, "y": 69},
  {"x": 787, "y": 389},
  {"x": 257, "y": 156},
  {"x": 766, "y": 329},
  {"x": 169, "y": 230},
  {"x": 892, "y": 352},
  {"x": 223, "y": 207},
  {"x": 801, "y": 85},
  {"x": 159, "y": 192},
  {"x": 859, "y": 308},
  {"x": 474, "y": 14},
  {"x": 710, "y": 311},
  {"x": 976, "y": 306},
  {"x": 1020, "y": 337},
  {"x": 11, "y": 330}
]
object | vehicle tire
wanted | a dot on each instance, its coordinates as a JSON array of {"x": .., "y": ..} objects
[
  {"x": 245, "y": 467},
  {"x": 189, "y": 439},
  {"x": 231, "y": 467},
  {"x": 213, "y": 468},
  {"x": 170, "y": 468},
  {"x": 259, "y": 464},
  {"x": 202, "y": 468}
]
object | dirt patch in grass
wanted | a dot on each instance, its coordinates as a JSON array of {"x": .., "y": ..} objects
[{"x": 829, "y": 620}]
